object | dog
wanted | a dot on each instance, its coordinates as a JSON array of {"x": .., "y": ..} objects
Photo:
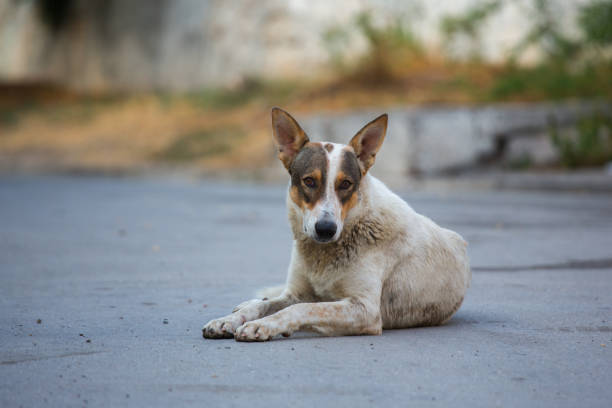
[{"x": 363, "y": 260}]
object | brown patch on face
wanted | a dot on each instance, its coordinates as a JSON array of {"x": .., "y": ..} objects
[
  {"x": 349, "y": 172},
  {"x": 329, "y": 147},
  {"x": 352, "y": 202},
  {"x": 310, "y": 162},
  {"x": 294, "y": 193}
]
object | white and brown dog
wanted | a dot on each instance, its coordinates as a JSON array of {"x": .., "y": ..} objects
[{"x": 363, "y": 260}]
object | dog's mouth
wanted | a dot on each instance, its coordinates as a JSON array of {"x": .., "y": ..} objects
[{"x": 323, "y": 240}]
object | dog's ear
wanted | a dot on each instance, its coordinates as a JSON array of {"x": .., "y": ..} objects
[
  {"x": 368, "y": 140},
  {"x": 288, "y": 135}
]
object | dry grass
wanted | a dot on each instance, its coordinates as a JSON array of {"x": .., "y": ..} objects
[
  {"x": 129, "y": 133},
  {"x": 44, "y": 127}
]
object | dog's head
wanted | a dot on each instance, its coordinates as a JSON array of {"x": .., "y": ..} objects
[{"x": 325, "y": 177}]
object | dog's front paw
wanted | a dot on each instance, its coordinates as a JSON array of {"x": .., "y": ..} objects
[
  {"x": 223, "y": 328},
  {"x": 257, "y": 330}
]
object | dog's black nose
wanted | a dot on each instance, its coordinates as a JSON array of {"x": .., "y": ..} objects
[{"x": 325, "y": 229}]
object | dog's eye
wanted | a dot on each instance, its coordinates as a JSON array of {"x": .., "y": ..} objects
[
  {"x": 309, "y": 182},
  {"x": 345, "y": 185}
]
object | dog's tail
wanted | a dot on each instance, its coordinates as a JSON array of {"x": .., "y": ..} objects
[{"x": 270, "y": 292}]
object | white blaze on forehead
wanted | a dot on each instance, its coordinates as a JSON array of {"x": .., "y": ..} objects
[
  {"x": 330, "y": 202},
  {"x": 329, "y": 206},
  {"x": 334, "y": 158}
]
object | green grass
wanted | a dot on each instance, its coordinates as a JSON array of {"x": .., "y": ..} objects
[
  {"x": 552, "y": 81},
  {"x": 201, "y": 144},
  {"x": 253, "y": 89},
  {"x": 81, "y": 110},
  {"x": 590, "y": 146}
]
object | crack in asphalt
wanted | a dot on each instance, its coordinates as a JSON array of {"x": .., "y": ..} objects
[
  {"x": 266, "y": 389},
  {"x": 26, "y": 360},
  {"x": 604, "y": 263}
]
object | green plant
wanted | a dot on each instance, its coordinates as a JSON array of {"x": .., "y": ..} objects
[
  {"x": 201, "y": 144},
  {"x": 551, "y": 81},
  {"x": 591, "y": 145},
  {"x": 390, "y": 47},
  {"x": 568, "y": 67},
  {"x": 61, "y": 111},
  {"x": 546, "y": 35},
  {"x": 595, "y": 20},
  {"x": 251, "y": 89},
  {"x": 335, "y": 40},
  {"x": 467, "y": 25}
]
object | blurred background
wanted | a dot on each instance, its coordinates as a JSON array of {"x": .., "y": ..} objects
[
  {"x": 473, "y": 87},
  {"x": 141, "y": 196}
]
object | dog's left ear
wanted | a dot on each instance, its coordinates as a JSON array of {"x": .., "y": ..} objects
[
  {"x": 288, "y": 135},
  {"x": 368, "y": 140}
]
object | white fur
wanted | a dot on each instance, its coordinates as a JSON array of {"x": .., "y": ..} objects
[
  {"x": 412, "y": 273},
  {"x": 330, "y": 205}
]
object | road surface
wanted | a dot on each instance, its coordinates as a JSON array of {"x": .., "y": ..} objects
[{"x": 105, "y": 284}]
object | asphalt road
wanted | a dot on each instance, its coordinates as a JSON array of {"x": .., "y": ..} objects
[{"x": 105, "y": 284}]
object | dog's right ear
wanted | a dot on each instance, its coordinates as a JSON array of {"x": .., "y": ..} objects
[
  {"x": 368, "y": 140},
  {"x": 288, "y": 135}
]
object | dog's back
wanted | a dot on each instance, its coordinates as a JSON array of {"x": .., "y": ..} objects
[
  {"x": 423, "y": 267},
  {"x": 430, "y": 273}
]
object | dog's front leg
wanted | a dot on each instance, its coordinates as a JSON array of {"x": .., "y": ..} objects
[
  {"x": 226, "y": 326},
  {"x": 344, "y": 317}
]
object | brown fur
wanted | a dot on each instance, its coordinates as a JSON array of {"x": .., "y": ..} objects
[
  {"x": 350, "y": 202},
  {"x": 350, "y": 171},
  {"x": 367, "y": 141},
  {"x": 359, "y": 234},
  {"x": 311, "y": 161},
  {"x": 289, "y": 136},
  {"x": 385, "y": 266}
]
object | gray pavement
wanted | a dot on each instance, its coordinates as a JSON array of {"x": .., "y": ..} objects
[{"x": 105, "y": 284}]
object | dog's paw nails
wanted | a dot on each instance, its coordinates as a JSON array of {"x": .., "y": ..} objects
[
  {"x": 253, "y": 331},
  {"x": 218, "y": 329}
]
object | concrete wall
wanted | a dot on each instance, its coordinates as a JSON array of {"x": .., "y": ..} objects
[
  {"x": 184, "y": 44},
  {"x": 431, "y": 141}
]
